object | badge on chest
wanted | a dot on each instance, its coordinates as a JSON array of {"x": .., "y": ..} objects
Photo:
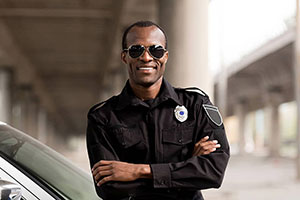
[{"x": 181, "y": 113}]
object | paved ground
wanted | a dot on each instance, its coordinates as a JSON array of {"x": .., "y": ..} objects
[
  {"x": 258, "y": 178},
  {"x": 247, "y": 178}
]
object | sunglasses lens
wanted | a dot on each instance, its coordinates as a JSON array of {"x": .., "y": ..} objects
[
  {"x": 136, "y": 51},
  {"x": 157, "y": 51}
]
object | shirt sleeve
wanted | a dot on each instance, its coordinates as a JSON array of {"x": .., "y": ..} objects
[
  {"x": 99, "y": 148},
  {"x": 198, "y": 172}
]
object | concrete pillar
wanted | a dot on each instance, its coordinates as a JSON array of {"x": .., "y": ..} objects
[
  {"x": 25, "y": 110},
  {"x": 51, "y": 139},
  {"x": 273, "y": 98},
  {"x": 222, "y": 93},
  {"x": 297, "y": 84},
  {"x": 42, "y": 126},
  {"x": 33, "y": 118},
  {"x": 240, "y": 112},
  {"x": 5, "y": 95},
  {"x": 186, "y": 25},
  {"x": 274, "y": 136},
  {"x": 47, "y": 130}
]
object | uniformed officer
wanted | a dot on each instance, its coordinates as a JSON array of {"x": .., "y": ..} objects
[{"x": 153, "y": 141}]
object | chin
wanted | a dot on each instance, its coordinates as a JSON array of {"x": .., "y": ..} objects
[
  {"x": 147, "y": 81},
  {"x": 146, "y": 84}
]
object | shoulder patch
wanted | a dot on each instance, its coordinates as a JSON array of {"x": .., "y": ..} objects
[
  {"x": 197, "y": 90},
  {"x": 213, "y": 113}
]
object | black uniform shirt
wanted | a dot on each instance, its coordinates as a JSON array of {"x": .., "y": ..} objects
[{"x": 125, "y": 128}]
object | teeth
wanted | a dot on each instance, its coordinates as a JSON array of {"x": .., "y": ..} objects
[{"x": 145, "y": 68}]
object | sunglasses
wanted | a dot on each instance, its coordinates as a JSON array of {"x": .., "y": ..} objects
[{"x": 156, "y": 51}]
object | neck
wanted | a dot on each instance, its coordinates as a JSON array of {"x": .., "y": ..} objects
[{"x": 146, "y": 93}]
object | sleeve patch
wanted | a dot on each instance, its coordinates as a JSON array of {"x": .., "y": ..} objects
[{"x": 213, "y": 113}]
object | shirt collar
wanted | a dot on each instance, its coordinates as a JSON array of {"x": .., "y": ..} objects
[{"x": 127, "y": 96}]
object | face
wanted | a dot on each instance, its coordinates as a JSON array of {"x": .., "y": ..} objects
[{"x": 145, "y": 70}]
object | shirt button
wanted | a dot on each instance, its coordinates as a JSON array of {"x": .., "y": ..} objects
[{"x": 180, "y": 141}]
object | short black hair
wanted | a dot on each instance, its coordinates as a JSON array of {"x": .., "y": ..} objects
[{"x": 140, "y": 24}]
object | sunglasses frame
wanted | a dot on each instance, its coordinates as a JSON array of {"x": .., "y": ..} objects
[{"x": 146, "y": 49}]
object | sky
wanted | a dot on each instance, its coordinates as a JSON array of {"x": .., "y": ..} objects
[{"x": 238, "y": 27}]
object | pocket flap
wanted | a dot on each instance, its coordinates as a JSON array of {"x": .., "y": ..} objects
[
  {"x": 178, "y": 136},
  {"x": 126, "y": 137}
]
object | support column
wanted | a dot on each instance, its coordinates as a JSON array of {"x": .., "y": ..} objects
[
  {"x": 273, "y": 98},
  {"x": 297, "y": 84},
  {"x": 222, "y": 93},
  {"x": 274, "y": 131},
  {"x": 42, "y": 126},
  {"x": 33, "y": 117},
  {"x": 25, "y": 110},
  {"x": 240, "y": 112},
  {"x": 186, "y": 25},
  {"x": 51, "y": 139},
  {"x": 5, "y": 95}
]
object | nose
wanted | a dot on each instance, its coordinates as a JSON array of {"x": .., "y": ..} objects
[{"x": 146, "y": 57}]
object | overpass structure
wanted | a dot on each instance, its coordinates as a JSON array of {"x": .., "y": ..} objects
[
  {"x": 57, "y": 59},
  {"x": 262, "y": 79}
]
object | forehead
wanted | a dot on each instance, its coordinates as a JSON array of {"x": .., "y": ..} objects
[{"x": 145, "y": 36}]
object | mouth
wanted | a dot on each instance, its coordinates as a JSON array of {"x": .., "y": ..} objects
[{"x": 146, "y": 68}]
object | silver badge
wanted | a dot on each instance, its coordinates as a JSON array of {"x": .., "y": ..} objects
[{"x": 181, "y": 113}]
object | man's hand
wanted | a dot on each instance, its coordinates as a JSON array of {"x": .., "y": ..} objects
[
  {"x": 204, "y": 147},
  {"x": 105, "y": 170}
]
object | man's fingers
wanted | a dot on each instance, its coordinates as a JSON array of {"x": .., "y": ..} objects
[
  {"x": 102, "y": 173},
  {"x": 208, "y": 151},
  {"x": 102, "y": 162},
  {"x": 101, "y": 168},
  {"x": 207, "y": 143},
  {"x": 202, "y": 140},
  {"x": 206, "y": 148},
  {"x": 104, "y": 180}
]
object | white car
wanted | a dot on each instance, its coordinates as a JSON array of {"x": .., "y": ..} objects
[{"x": 30, "y": 170}]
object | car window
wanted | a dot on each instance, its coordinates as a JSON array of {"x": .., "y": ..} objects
[{"x": 47, "y": 166}]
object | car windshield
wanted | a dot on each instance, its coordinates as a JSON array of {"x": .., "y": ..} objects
[{"x": 46, "y": 165}]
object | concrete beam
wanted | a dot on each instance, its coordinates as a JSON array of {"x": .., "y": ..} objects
[
  {"x": 56, "y": 13},
  {"x": 25, "y": 71},
  {"x": 270, "y": 47}
]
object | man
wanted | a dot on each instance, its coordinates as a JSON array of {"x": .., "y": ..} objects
[{"x": 154, "y": 141}]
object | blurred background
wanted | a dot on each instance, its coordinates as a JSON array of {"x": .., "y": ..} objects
[{"x": 58, "y": 58}]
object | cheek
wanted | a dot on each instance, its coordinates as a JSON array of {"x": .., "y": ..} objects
[
  {"x": 131, "y": 68},
  {"x": 162, "y": 65}
]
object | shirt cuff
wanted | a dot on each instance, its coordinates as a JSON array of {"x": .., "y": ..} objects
[{"x": 161, "y": 175}]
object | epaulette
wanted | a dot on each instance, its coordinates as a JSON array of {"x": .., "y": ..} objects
[
  {"x": 197, "y": 90},
  {"x": 97, "y": 106}
]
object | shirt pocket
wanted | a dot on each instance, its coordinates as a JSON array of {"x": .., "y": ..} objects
[
  {"x": 177, "y": 143},
  {"x": 128, "y": 141},
  {"x": 126, "y": 137}
]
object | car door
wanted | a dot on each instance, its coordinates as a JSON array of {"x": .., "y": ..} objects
[{"x": 30, "y": 189}]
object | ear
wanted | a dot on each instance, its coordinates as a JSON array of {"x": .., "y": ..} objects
[
  {"x": 123, "y": 57},
  {"x": 166, "y": 56}
]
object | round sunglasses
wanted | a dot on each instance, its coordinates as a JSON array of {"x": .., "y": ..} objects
[{"x": 136, "y": 50}]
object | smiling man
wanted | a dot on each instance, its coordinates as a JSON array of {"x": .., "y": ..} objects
[{"x": 154, "y": 141}]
